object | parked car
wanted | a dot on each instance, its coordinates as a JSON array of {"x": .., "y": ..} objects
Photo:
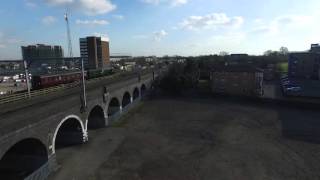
[
  {"x": 284, "y": 77},
  {"x": 293, "y": 91},
  {"x": 288, "y": 83}
]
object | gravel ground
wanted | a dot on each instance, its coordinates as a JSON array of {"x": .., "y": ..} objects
[
  {"x": 7, "y": 87},
  {"x": 192, "y": 138}
]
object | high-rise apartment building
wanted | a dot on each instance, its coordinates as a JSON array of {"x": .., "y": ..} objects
[
  {"x": 41, "y": 51},
  {"x": 95, "y": 52}
]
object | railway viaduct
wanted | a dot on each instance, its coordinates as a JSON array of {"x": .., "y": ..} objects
[{"x": 31, "y": 130}]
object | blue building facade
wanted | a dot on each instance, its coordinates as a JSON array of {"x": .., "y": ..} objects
[{"x": 304, "y": 65}]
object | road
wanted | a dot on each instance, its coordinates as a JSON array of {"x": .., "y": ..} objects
[
  {"x": 192, "y": 138},
  {"x": 79, "y": 162},
  {"x": 272, "y": 90}
]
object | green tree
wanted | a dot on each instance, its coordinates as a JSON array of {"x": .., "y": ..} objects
[
  {"x": 223, "y": 53},
  {"x": 284, "y": 51},
  {"x": 268, "y": 53}
]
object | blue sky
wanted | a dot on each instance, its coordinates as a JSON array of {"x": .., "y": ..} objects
[{"x": 162, "y": 27}]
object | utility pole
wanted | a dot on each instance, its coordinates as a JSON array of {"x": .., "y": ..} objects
[
  {"x": 27, "y": 77},
  {"x": 83, "y": 95},
  {"x": 83, "y": 89}
]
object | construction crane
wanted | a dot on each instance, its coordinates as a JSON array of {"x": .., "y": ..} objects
[{"x": 70, "y": 53}]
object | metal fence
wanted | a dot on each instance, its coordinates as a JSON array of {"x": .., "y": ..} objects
[{"x": 22, "y": 96}]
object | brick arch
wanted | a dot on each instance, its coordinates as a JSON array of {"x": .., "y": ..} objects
[
  {"x": 23, "y": 158},
  {"x": 96, "y": 118},
  {"x": 143, "y": 89},
  {"x": 115, "y": 104},
  {"x": 76, "y": 118},
  {"x": 11, "y": 143},
  {"x": 126, "y": 99},
  {"x": 135, "y": 93}
]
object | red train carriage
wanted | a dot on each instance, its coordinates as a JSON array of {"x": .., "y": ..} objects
[{"x": 45, "y": 81}]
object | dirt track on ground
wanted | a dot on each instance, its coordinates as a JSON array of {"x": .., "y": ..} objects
[{"x": 190, "y": 139}]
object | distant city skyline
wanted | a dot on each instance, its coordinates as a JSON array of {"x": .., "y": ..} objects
[{"x": 162, "y": 27}]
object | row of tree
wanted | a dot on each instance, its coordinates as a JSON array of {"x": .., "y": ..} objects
[
  {"x": 181, "y": 77},
  {"x": 184, "y": 76}
]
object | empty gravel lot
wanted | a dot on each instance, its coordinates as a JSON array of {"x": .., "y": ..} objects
[{"x": 191, "y": 138}]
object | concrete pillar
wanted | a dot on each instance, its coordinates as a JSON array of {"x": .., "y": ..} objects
[
  {"x": 53, "y": 164},
  {"x": 106, "y": 118},
  {"x": 85, "y": 136}
]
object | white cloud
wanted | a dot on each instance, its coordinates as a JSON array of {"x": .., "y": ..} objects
[
  {"x": 209, "y": 21},
  {"x": 14, "y": 41},
  {"x": 173, "y": 3},
  {"x": 193, "y": 45},
  {"x": 92, "y": 22},
  {"x": 292, "y": 20},
  {"x": 280, "y": 23},
  {"x": 178, "y": 2},
  {"x": 155, "y": 36},
  {"x": 10, "y": 45},
  {"x": 30, "y": 3},
  {"x": 229, "y": 37},
  {"x": 6, "y": 40},
  {"x": 258, "y": 20},
  {"x": 155, "y": 2},
  {"x": 103, "y": 36},
  {"x": 48, "y": 20},
  {"x": 94, "y": 7},
  {"x": 159, "y": 35},
  {"x": 89, "y": 7},
  {"x": 118, "y": 16},
  {"x": 60, "y": 2},
  {"x": 263, "y": 29}
]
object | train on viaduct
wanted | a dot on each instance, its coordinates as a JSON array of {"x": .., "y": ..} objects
[{"x": 31, "y": 130}]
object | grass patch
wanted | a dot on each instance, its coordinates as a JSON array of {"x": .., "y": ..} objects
[{"x": 282, "y": 67}]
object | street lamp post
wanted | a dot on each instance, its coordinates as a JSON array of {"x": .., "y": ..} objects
[
  {"x": 83, "y": 88},
  {"x": 27, "y": 77}
]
